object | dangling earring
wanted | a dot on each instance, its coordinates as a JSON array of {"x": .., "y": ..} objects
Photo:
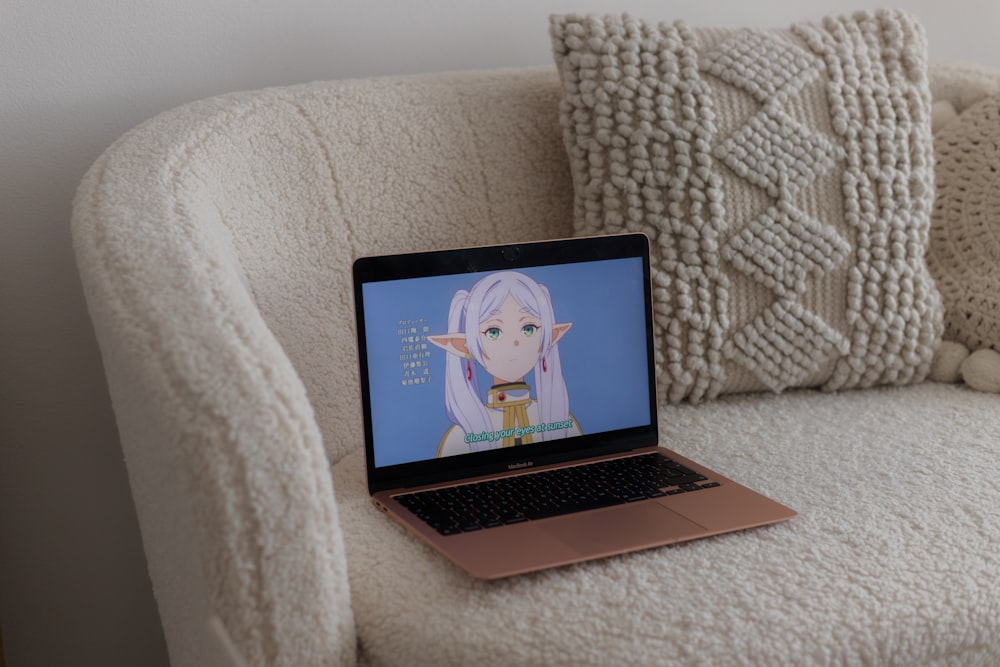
[
  {"x": 468, "y": 366},
  {"x": 545, "y": 369}
]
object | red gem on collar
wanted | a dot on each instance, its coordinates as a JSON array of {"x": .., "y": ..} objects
[{"x": 501, "y": 396}]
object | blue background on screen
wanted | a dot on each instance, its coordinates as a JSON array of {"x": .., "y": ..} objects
[{"x": 603, "y": 355}]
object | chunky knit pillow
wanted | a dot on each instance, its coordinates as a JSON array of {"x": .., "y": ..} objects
[
  {"x": 785, "y": 179},
  {"x": 964, "y": 252}
]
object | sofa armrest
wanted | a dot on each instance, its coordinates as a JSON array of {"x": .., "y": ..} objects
[{"x": 225, "y": 459}]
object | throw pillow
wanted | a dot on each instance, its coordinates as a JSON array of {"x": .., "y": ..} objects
[
  {"x": 964, "y": 254},
  {"x": 785, "y": 180}
]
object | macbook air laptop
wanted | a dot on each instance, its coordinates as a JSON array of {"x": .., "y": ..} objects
[{"x": 510, "y": 413}]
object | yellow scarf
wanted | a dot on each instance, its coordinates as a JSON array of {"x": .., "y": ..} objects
[{"x": 514, "y": 399}]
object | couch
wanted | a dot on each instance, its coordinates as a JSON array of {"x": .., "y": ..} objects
[{"x": 215, "y": 243}]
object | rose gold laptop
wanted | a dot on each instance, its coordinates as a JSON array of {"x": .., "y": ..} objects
[{"x": 509, "y": 405}]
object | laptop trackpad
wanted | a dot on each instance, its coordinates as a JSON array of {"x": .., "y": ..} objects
[{"x": 624, "y": 527}]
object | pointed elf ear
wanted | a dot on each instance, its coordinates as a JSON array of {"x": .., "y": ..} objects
[
  {"x": 454, "y": 343},
  {"x": 559, "y": 330}
]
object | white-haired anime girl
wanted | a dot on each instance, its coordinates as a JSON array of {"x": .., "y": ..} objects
[{"x": 506, "y": 324}]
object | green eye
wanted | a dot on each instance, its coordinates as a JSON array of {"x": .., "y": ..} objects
[
  {"x": 492, "y": 333},
  {"x": 529, "y": 330}
]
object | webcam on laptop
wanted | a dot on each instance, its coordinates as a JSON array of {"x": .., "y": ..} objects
[{"x": 511, "y": 253}]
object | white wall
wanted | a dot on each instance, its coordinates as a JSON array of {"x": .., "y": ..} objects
[{"x": 75, "y": 74}]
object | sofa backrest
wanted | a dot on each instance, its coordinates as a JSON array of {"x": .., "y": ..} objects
[
  {"x": 312, "y": 177},
  {"x": 300, "y": 181}
]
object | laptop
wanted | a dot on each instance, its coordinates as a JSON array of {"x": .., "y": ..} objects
[{"x": 510, "y": 413}]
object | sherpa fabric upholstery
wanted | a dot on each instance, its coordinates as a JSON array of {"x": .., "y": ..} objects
[
  {"x": 872, "y": 572},
  {"x": 214, "y": 244},
  {"x": 964, "y": 254},
  {"x": 785, "y": 179}
]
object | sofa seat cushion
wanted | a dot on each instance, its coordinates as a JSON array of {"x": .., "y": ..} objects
[{"x": 892, "y": 560}]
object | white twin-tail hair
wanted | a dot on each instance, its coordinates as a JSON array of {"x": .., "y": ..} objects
[{"x": 468, "y": 310}]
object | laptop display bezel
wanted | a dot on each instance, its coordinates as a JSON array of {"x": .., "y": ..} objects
[{"x": 499, "y": 258}]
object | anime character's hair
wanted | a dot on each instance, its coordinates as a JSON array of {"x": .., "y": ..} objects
[{"x": 470, "y": 308}]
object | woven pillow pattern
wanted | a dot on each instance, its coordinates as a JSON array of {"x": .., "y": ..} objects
[
  {"x": 964, "y": 254},
  {"x": 785, "y": 179}
]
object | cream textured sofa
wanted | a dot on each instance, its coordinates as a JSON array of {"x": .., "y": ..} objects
[{"x": 215, "y": 244}]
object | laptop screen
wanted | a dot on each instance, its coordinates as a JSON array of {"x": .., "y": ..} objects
[{"x": 542, "y": 349}]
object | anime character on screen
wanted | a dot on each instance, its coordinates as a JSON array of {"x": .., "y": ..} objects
[{"x": 505, "y": 324}]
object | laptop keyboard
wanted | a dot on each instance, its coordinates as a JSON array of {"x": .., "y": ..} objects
[{"x": 539, "y": 495}]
